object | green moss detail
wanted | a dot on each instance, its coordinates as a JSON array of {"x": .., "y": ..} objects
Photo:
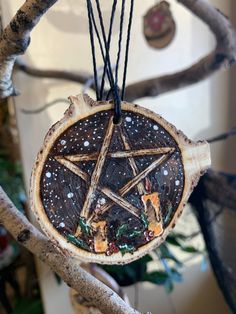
[
  {"x": 84, "y": 226},
  {"x": 135, "y": 233},
  {"x": 78, "y": 242},
  {"x": 121, "y": 231},
  {"x": 144, "y": 220},
  {"x": 126, "y": 248}
]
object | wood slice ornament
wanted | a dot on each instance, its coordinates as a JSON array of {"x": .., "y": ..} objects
[
  {"x": 159, "y": 26},
  {"x": 111, "y": 193}
]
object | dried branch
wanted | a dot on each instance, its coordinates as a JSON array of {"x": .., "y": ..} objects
[
  {"x": 59, "y": 260},
  {"x": 223, "y": 55},
  {"x": 219, "y": 189},
  {"x": 223, "y": 136},
  {"x": 16, "y": 38},
  {"x": 60, "y": 75}
]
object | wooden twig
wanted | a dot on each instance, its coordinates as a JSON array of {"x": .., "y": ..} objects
[
  {"x": 73, "y": 168},
  {"x": 120, "y": 201},
  {"x": 98, "y": 169},
  {"x": 119, "y": 154},
  {"x": 60, "y": 75},
  {"x": 131, "y": 160},
  {"x": 116, "y": 198},
  {"x": 59, "y": 260},
  {"x": 132, "y": 183}
]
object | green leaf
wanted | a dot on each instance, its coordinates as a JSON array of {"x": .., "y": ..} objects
[
  {"x": 78, "y": 242},
  {"x": 169, "y": 212},
  {"x": 129, "y": 274},
  {"x": 84, "y": 226},
  {"x": 126, "y": 248},
  {"x": 156, "y": 277},
  {"x": 144, "y": 220},
  {"x": 121, "y": 230},
  {"x": 180, "y": 236},
  {"x": 26, "y": 306},
  {"x": 135, "y": 233},
  {"x": 190, "y": 249},
  {"x": 167, "y": 254},
  {"x": 173, "y": 241},
  {"x": 146, "y": 259}
]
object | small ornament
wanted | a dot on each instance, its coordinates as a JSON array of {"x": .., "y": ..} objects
[
  {"x": 159, "y": 25},
  {"x": 110, "y": 193}
]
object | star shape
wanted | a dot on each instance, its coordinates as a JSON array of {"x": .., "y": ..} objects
[{"x": 67, "y": 161}]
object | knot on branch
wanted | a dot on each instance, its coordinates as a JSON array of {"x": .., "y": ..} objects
[
  {"x": 13, "y": 46},
  {"x": 24, "y": 236}
]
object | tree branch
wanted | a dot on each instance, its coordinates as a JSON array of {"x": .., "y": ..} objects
[
  {"x": 59, "y": 260},
  {"x": 55, "y": 74},
  {"x": 223, "y": 54},
  {"x": 16, "y": 38},
  {"x": 218, "y": 187}
]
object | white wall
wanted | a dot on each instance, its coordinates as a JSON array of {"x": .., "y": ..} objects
[{"x": 60, "y": 41}]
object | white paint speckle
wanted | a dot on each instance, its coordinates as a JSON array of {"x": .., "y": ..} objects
[
  {"x": 128, "y": 119},
  {"x": 48, "y": 174},
  {"x": 86, "y": 143},
  {"x": 155, "y": 127},
  {"x": 70, "y": 195},
  {"x": 102, "y": 201},
  {"x": 177, "y": 182},
  {"x": 62, "y": 225},
  {"x": 165, "y": 172},
  {"x": 63, "y": 142}
]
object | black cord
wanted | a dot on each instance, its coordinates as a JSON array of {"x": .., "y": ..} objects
[
  {"x": 117, "y": 96},
  {"x": 101, "y": 47},
  {"x": 92, "y": 47},
  {"x": 107, "y": 43},
  {"x": 107, "y": 66},
  {"x": 127, "y": 48},
  {"x": 120, "y": 39}
]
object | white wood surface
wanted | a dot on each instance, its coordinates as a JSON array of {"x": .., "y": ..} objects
[{"x": 60, "y": 41}]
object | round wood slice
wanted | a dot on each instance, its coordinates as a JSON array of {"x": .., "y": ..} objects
[
  {"x": 111, "y": 193},
  {"x": 159, "y": 26}
]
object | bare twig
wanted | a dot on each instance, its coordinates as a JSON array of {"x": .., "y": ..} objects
[
  {"x": 59, "y": 260},
  {"x": 60, "y": 75},
  {"x": 46, "y": 106},
  {"x": 223, "y": 136}
]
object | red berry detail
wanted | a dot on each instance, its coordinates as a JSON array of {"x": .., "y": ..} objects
[
  {"x": 150, "y": 234},
  {"x": 116, "y": 250},
  {"x": 146, "y": 233},
  {"x": 113, "y": 248},
  {"x": 109, "y": 252}
]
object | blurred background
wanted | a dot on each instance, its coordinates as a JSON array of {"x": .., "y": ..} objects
[{"x": 61, "y": 42}]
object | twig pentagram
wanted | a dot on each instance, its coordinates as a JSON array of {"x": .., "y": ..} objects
[{"x": 117, "y": 198}]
